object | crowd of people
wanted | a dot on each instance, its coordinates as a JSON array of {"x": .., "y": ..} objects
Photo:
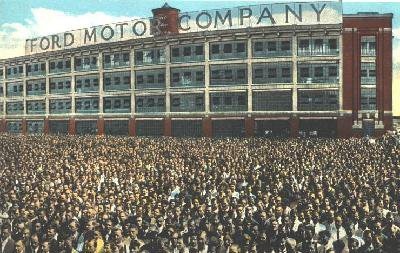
[{"x": 62, "y": 194}]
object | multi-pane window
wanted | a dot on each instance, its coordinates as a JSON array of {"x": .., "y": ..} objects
[
  {"x": 36, "y": 69},
  {"x": 15, "y": 108},
  {"x": 116, "y": 127},
  {"x": 1, "y": 72},
  {"x": 60, "y": 106},
  {"x": 272, "y": 73},
  {"x": 14, "y": 127},
  {"x": 150, "y": 104},
  {"x": 60, "y": 85},
  {"x": 58, "y": 126},
  {"x": 116, "y": 59},
  {"x": 228, "y": 75},
  {"x": 150, "y": 79},
  {"x": 149, "y": 127},
  {"x": 87, "y": 105},
  {"x": 117, "y": 104},
  {"x": 271, "y": 48},
  {"x": 187, "y": 77},
  {"x": 317, "y": 46},
  {"x": 86, "y": 127},
  {"x": 150, "y": 56},
  {"x": 228, "y": 128},
  {"x": 187, "y": 128},
  {"x": 187, "y": 102},
  {"x": 36, "y": 107},
  {"x": 317, "y": 100},
  {"x": 317, "y": 73},
  {"x": 15, "y": 89},
  {"x": 1, "y": 107},
  {"x": 36, "y": 87},
  {"x": 228, "y": 101},
  {"x": 86, "y": 63},
  {"x": 368, "y": 73},
  {"x": 35, "y": 126},
  {"x": 228, "y": 50},
  {"x": 60, "y": 66},
  {"x": 89, "y": 83},
  {"x": 187, "y": 53},
  {"x": 1, "y": 89},
  {"x": 368, "y": 45},
  {"x": 15, "y": 71},
  {"x": 272, "y": 100},
  {"x": 117, "y": 81},
  {"x": 368, "y": 99}
]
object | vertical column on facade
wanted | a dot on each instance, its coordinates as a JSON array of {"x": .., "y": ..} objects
[
  {"x": 101, "y": 85},
  {"x": 249, "y": 121},
  {"x": 294, "y": 72},
  {"x": 46, "y": 128},
  {"x": 73, "y": 91},
  {"x": 167, "y": 120},
  {"x": 131, "y": 124},
  {"x": 24, "y": 88},
  {"x": 341, "y": 75},
  {"x": 387, "y": 79},
  {"x": 100, "y": 120},
  {"x": 356, "y": 75},
  {"x": 47, "y": 88},
  {"x": 206, "y": 126},
  {"x": 24, "y": 99},
  {"x": 379, "y": 74},
  {"x": 4, "y": 95},
  {"x": 207, "y": 77}
]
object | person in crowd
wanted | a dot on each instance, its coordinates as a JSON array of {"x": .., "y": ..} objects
[{"x": 123, "y": 194}]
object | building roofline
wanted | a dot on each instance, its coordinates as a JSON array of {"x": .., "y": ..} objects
[{"x": 368, "y": 15}]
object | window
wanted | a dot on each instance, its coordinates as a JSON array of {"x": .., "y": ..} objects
[
  {"x": 318, "y": 45},
  {"x": 241, "y": 100},
  {"x": 139, "y": 79},
  {"x": 175, "y": 77},
  {"x": 372, "y": 73},
  {"x": 304, "y": 72},
  {"x": 215, "y": 49},
  {"x": 161, "y": 78},
  {"x": 228, "y": 100},
  {"x": 227, "y": 48},
  {"x": 228, "y": 74},
  {"x": 271, "y": 46},
  {"x": 216, "y": 101},
  {"x": 175, "y": 52},
  {"x": 272, "y": 73},
  {"x": 241, "y": 73},
  {"x": 333, "y": 71},
  {"x": 285, "y": 72},
  {"x": 150, "y": 78},
  {"x": 107, "y": 104},
  {"x": 285, "y": 45},
  {"x": 240, "y": 48},
  {"x": 187, "y": 51},
  {"x": 139, "y": 102},
  {"x": 125, "y": 57},
  {"x": 199, "y": 50},
  {"x": 332, "y": 44},
  {"x": 258, "y": 46},
  {"x": 107, "y": 59},
  {"x": 304, "y": 45},
  {"x": 319, "y": 71},
  {"x": 259, "y": 73},
  {"x": 176, "y": 102},
  {"x": 52, "y": 65},
  {"x": 199, "y": 76}
]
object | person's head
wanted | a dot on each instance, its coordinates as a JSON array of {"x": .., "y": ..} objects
[
  {"x": 19, "y": 246},
  {"x": 26, "y": 233},
  {"x": 46, "y": 247},
  {"x": 34, "y": 241},
  {"x": 5, "y": 230}
]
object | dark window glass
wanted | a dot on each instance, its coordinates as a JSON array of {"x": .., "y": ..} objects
[
  {"x": 175, "y": 77},
  {"x": 241, "y": 73},
  {"x": 216, "y": 100},
  {"x": 258, "y": 73},
  {"x": 318, "y": 71},
  {"x": 175, "y": 52},
  {"x": 304, "y": 72},
  {"x": 258, "y": 46},
  {"x": 332, "y": 44},
  {"x": 199, "y": 50},
  {"x": 228, "y": 100},
  {"x": 215, "y": 49},
  {"x": 272, "y": 73},
  {"x": 240, "y": 48},
  {"x": 107, "y": 59},
  {"x": 126, "y": 57},
  {"x": 285, "y": 45},
  {"x": 271, "y": 46},
  {"x": 227, "y": 48},
  {"x": 333, "y": 71},
  {"x": 161, "y": 78},
  {"x": 241, "y": 100},
  {"x": 187, "y": 51},
  {"x": 285, "y": 72}
]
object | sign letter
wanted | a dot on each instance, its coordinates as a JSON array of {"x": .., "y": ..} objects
[
  {"x": 298, "y": 16},
  {"x": 318, "y": 12},
  {"x": 228, "y": 16}
]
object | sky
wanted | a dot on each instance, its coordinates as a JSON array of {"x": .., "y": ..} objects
[{"x": 23, "y": 19}]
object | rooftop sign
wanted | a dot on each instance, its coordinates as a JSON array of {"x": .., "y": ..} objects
[{"x": 263, "y": 15}]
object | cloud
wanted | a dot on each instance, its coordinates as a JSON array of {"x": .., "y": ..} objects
[
  {"x": 45, "y": 22},
  {"x": 396, "y": 33}
]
